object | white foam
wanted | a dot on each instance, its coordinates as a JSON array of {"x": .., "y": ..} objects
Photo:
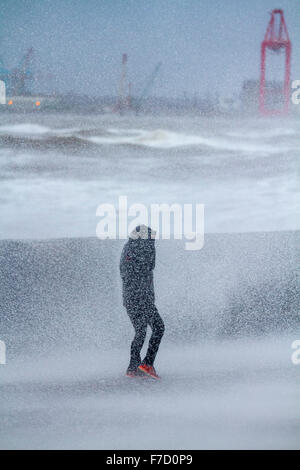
[
  {"x": 260, "y": 133},
  {"x": 24, "y": 129},
  {"x": 55, "y": 195},
  {"x": 162, "y": 139},
  {"x": 27, "y": 129},
  {"x": 158, "y": 138}
]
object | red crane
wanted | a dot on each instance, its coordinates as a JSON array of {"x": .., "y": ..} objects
[{"x": 276, "y": 39}]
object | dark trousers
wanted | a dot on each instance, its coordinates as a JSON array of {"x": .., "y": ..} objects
[{"x": 141, "y": 316}]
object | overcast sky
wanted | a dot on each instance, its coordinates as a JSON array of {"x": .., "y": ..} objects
[{"x": 204, "y": 45}]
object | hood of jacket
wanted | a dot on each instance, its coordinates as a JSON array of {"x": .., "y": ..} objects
[{"x": 142, "y": 232}]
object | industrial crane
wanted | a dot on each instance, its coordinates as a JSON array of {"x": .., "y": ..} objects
[
  {"x": 276, "y": 39},
  {"x": 16, "y": 79}
]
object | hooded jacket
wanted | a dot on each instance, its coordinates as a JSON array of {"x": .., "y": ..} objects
[{"x": 136, "y": 267}]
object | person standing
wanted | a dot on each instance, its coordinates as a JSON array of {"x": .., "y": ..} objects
[{"x": 136, "y": 268}]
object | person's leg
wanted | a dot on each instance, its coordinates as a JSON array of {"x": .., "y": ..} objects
[
  {"x": 157, "y": 325},
  {"x": 139, "y": 323}
]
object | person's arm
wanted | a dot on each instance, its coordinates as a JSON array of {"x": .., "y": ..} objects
[
  {"x": 152, "y": 257},
  {"x": 126, "y": 262}
]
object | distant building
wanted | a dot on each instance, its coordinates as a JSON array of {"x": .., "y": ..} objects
[
  {"x": 250, "y": 95},
  {"x": 16, "y": 80}
]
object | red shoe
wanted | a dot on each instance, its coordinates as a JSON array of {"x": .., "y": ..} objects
[
  {"x": 149, "y": 370},
  {"x": 134, "y": 373},
  {"x": 131, "y": 374}
]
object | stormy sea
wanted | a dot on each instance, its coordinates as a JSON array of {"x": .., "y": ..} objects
[{"x": 231, "y": 309}]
